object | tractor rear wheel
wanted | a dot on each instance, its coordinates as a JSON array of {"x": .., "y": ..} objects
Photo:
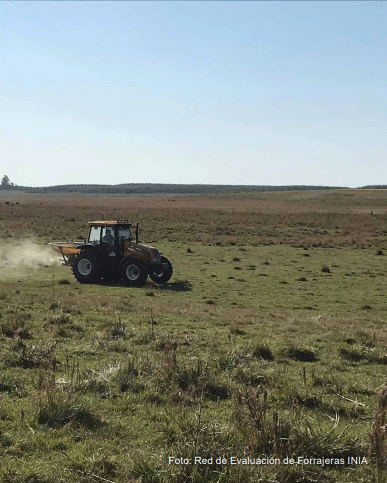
[
  {"x": 86, "y": 267},
  {"x": 134, "y": 272},
  {"x": 164, "y": 274}
]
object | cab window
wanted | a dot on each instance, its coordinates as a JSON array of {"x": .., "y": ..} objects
[
  {"x": 108, "y": 235},
  {"x": 124, "y": 233},
  {"x": 95, "y": 234}
]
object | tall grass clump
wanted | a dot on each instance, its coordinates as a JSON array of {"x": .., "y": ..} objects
[
  {"x": 378, "y": 435},
  {"x": 56, "y": 408},
  {"x": 193, "y": 432},
  {"x": 263, "y": 351},
  {"x": 274, "y": 432},
  {"x": 17, "y": 325},
  {"x": 301, "y": 354},
  {"x": 31, "y": 356}
]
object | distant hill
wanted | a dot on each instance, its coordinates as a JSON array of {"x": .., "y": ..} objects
[{"x": 153, "y": 189}]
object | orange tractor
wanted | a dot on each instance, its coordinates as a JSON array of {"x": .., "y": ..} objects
[{"x": 111, "y": 253}]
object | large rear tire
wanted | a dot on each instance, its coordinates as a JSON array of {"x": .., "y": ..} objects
[
  {"x": 164, "y": 274},
  {"x": 134, "y": 272},
  {"x": 87, "y": 267}
]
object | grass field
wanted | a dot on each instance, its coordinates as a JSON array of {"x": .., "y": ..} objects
[{"x": 269, "y": 342}]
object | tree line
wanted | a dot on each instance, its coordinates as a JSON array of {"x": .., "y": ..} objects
[
  {"x": 163, "y": 188},
  {"x": 158, "y": 188}
]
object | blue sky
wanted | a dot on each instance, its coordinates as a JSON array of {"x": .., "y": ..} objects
[{"x": 260, "y": 92}]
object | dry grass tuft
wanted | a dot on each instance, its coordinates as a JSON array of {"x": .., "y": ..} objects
[
  {"x": 378, "y": 435},
  {"x": 263, "y": 351},
  {"x": 302, "y": 355}
]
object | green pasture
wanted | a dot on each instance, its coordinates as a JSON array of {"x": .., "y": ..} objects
[{"x": 249, "y": 351}]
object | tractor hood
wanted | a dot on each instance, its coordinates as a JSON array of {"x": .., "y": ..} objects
[{"x": 146, "y": 252}]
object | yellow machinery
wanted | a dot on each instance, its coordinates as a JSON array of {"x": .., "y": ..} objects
[{"x": 111, "y": 252}]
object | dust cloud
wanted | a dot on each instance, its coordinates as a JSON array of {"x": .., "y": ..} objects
[{"x": 27, "y": 253}]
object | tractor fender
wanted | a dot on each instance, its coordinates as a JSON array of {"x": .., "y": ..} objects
[
  {"x": 91, "y": 248},
  {"x": 86, "y": 246},
  {"x": 128, "y": 257}
]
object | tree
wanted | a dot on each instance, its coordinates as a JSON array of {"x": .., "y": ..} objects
[{"x": 5, "y": 182}]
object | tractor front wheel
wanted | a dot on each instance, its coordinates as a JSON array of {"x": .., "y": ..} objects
[
  {"x": 134, "y": 272},
  {"x": 86, "y": 267},
  {"x": 164, "y": 273}
]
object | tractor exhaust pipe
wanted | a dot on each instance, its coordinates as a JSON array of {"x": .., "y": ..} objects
[{"x": 137, "y": 233}]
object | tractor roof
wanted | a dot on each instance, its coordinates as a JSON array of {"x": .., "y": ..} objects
[{"x": 109, "y": 223}]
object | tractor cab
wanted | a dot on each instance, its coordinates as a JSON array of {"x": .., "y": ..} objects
[{"x": 110, "y": 235}]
